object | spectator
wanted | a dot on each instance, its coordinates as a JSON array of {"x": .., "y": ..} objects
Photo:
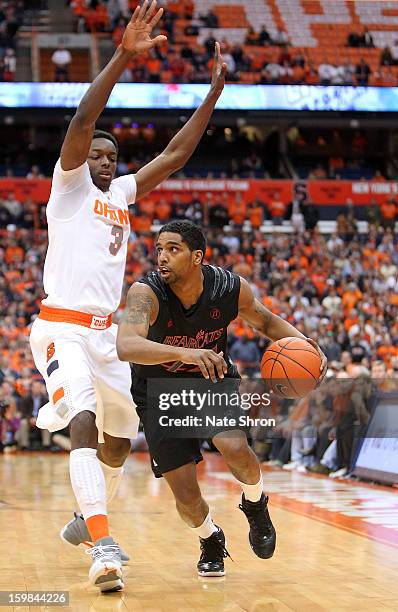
[
  {"x": 209, "y": 45},
  {"x": 264, "y": 38},
  {"x": 118, "y": 32},
  {"x": 311, "y": 215},
  {"x": 61, "y": 58},
  {"x": 285, "y": 56},
  {"x": 246, "y": 355},
  {"x": 29, "y": 407},
  {"x": 177, "y": 66},
  {"x": 386, "y": 58},
  {"x": 13, "y": 206},
  {"x": 273, "y": 73},
  {"x": 9, "y": 425},
  {"x": 251, "y": 37},
  {"x": 10, "y": 65},
  {"x": 218, "y": 215},
  {"x": 311, "y": 74},
  {"x": 296, "y": 216},
  {"x": 5, "y": 216},
  {"x": 372, "y": 212},
  {"x": 277, "y": 209},
  {"x": 388, "y": 213},
  {"x": 345, "y": 74},
  {"x": 280, "y": 37},
  {"x": 394, "y": 52},
  {"x": 210, "y": 19},
  {"x": 362, "y": 73},
  {"x": 34, "y": 173},
  {"x": 326, "y": 72},
  {"x": 353, "y": 39},
  {"x": 332, "y": 302},
  {"x": 366, "y": 40},
  {"x": 231, "y": 66},
  {"x": 298, "y": 74}
]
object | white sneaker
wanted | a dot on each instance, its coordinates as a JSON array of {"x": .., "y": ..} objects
[
  {"x": 302, "y": 469},
  {"x": 75, "y": 532},
  {"x": 290, "y": 466},
  {"x": 106, "y": 570},
  {"x": 339, "y": 473}
]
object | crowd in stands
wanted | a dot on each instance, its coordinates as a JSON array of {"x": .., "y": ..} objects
[
  {"x": 322, "y": 432},
  {"x": 341, "y": 290},
  {"x": 11, "y": 16},
  {"x": 262, "y": 58}
]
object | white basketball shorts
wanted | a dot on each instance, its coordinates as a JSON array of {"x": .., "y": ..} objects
[{"x": 82, "y": 371}]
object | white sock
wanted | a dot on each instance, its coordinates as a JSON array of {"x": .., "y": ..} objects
[
  {"x": 88, "y": 481},
  {"x": 253, "y": 492},
  {"x": 113, "y": 476},
  {"x": 206, "y": 528}
]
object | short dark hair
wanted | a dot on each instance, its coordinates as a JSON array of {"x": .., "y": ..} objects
[
  {"x": 191, "y": 234},
  {"x": 107, "y": 136}
]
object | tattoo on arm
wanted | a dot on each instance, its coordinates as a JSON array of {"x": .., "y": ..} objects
[
  {"x": 139, "y": 309},
  {"x": 265, "y": 315}
]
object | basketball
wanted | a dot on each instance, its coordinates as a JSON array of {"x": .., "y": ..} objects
[{"x": 291, "y": 367}]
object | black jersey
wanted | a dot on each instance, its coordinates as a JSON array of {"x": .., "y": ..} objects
[{"x": 203, "y": 326}]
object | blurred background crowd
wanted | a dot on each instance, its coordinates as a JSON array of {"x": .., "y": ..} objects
[{"x": 340, "y": 289}]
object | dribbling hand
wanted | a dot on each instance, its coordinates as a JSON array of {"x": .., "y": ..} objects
[
  {"x": 324, "y": 361},
  {"x": 211, "y": 364},
  {"x": 136, "y": 38}
]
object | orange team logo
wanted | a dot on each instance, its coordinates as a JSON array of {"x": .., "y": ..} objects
[
  {"x": 50, "y": 351},
  {"x": 117, "y": 216}
]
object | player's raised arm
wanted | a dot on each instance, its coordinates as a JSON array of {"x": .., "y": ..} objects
[
  {"x": 132, "y": 344},
  {"x": 137, "y": 39},
  {"x": 263, "y": 320},
  {"x": 184, "y": 143}
]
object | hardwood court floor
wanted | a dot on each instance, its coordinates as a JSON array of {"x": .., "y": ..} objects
[{"x": 321, "y": 563}]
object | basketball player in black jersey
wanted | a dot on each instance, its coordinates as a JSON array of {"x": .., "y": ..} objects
[{"x": 196, "y": 302}]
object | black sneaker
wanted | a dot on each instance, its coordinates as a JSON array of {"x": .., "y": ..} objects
[
  {"x": 211, "y": 562},
  {"x": 262, "y": 534}
]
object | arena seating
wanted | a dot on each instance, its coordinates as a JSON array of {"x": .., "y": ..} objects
[{"x": 316, "y": 30}]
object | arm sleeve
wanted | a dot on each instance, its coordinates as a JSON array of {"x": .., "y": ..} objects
[
  {"x": 68, "y": 190},
  {"x": 128, "y": 185}
]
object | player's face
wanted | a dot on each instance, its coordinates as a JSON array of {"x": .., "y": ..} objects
[
  {"x": 175, "y": 261},
  {"x": 102, "y": 160}
]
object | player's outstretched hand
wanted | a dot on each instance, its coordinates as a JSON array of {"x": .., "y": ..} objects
[
  {"x": 211, "y": 364},
  {"x": 137, "y": 36},
  {"x": 219, "y": 72},
  {"x": 324, "y": 360}
]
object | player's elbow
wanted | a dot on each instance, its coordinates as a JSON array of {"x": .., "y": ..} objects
[
  {"x": 176, "y": 160},
  {"x": 82, "y": 120}
]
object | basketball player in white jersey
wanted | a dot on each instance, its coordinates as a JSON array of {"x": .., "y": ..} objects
[{"x": 73, "y": 339}]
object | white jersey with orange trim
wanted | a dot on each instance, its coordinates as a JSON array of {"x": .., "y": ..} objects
[{"x": 88, "y": 232}]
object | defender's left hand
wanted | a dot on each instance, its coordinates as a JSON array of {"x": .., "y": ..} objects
[{"x": 219, "y": 72}]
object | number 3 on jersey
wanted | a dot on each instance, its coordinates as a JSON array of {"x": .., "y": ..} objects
[{"x": 117, "y": 232}]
